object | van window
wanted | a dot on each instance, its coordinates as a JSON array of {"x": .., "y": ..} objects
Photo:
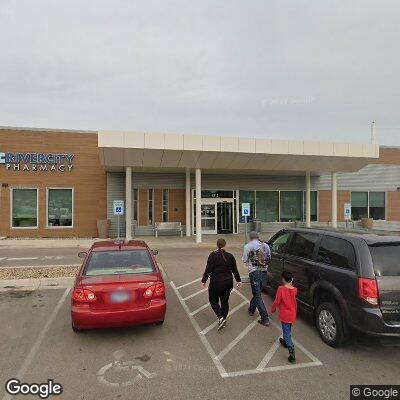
[
  {"x": 303, "y": 245},
  {"x": 386, "y": 259},
  {"x": 336, "y": 251},
  {"x": 278, "y": 245}
]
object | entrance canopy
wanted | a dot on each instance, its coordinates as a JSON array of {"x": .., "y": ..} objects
[{"x": 229, "y": 154}]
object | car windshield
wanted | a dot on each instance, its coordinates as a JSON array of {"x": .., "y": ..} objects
[
  {"x": 119, "y": 262},
  {"x": 386, "y": 259}
]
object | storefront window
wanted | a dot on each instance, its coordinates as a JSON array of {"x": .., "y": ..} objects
[
  {"x": 24, "y": 208},
  {"x": 150, "y": 207},
  {"x": 246, "y": 196},
  {"x": 165, "y": 205},
  {"x": 377, "y": 205},
  {"x": 59, "y": 208},
  {"x": 267, "y": 206},
  {"x": 291, "y": 206},
  {"x": 135, "y": 205},
  {"x": 359, "y": 205}
]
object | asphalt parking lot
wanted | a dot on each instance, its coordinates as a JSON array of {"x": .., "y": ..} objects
[{"x": 186, "y": 358}]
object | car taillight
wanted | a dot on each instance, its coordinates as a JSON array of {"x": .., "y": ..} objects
[
  {"x": 368, "y": 290},
  {"x": 154, "y": 291},
  {"x": 83, "y": 296}
]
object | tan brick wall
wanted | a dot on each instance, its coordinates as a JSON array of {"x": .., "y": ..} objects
[
  {"x": 325, "y": 204},
  {"x": 157, "y": 205},
  {"x": 393, "y": 205},
  {"x": 143, "y": 206},
  {"x": 389, "y": 155},
  {"x": 177, "y": 205},
  {"x": 87, "y": 177}
]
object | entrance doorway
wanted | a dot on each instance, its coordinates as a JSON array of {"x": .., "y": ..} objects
[
  {"x": 216, "y": 216},
  {"x": 225, "y": 217}
]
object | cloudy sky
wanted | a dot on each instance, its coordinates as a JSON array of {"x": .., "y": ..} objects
[{"x": 300, "y": 69}]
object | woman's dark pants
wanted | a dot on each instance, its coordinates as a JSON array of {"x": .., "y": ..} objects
[{"x": 218, "y": 294}]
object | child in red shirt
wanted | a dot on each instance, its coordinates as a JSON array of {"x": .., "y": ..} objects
[{"x": 285, "y": 300}]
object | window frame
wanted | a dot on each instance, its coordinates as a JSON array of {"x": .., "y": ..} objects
[
  {"x": 368, "y": 203},
  {"x": 150, "y": 223},
  {"x": 12, "y": 206},
  {"x": 47, "y": 208},
  {"x": 352, "y": 268}
]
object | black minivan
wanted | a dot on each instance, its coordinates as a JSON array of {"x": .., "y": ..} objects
[{"x": 345, "y": 280}]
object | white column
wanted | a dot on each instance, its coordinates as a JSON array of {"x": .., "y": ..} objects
[
  {"x": 198, "y": 205},
  {"x": 334, "y": 200},
  {"x": 128, "y": 203},
  {"x": 308, "y": 199},
  {"x": 188, "y": 209}
]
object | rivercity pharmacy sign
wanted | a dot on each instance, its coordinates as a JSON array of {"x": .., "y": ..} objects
[{"x": 37, "y": 162}]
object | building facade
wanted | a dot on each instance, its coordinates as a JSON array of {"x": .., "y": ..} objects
[{"x": 57, "y": 183}]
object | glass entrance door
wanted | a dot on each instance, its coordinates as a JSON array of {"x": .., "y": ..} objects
[
  {"x": 209, "y": 218},
  {"x": 225, "y": 217}
]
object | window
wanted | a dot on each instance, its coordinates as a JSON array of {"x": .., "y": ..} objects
[
  {"x": 377, "y": 202},
  {"x": 119, "y": 262},
  {"x": 267, "y": 206},
  {"x": 24, "y": 208},
  {"x": 338, "y": 252},
  {"x": 368, "y": 205},
  {"x": 279, "y": 244},
  {"x": 359, "y": 205},
  {"x": 59, "y": 207},
  {"x": 314, "y": 205},
  {"x": 386, "y": 259},
  {"x": 165, "y": 195},
  {"x": 291, "y": 206},
  {"x": 150, "y": 207},
  {"x": 246, "y": 196},
  {"x": 303, "y": 245}
]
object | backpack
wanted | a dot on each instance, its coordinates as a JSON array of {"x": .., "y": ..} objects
[{"x": 258, "y": 258}]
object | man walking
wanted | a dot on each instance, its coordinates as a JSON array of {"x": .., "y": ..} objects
[{"x": 256, "y": 255}]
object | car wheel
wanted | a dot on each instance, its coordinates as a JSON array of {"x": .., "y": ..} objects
[
  {"x": 330, "y": 324},
  {"x": 160, "y": 322}
]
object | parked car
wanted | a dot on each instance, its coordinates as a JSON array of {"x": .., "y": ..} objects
[
  {"x": 118, "y": 284},
  {"x": 345, "y": 280}
]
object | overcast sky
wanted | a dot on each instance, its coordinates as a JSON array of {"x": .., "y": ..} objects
[{"x": 299, "y": 69}]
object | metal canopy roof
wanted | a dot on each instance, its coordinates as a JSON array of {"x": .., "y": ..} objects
[{"x": 172, "y": 152}]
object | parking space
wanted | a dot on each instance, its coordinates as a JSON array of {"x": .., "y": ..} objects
[{"x": 186, "y": 358}]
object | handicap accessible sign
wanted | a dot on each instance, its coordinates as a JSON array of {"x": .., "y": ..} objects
[
  {"x": 245, "y": 209},
  {"x": 118, "y": 207}
]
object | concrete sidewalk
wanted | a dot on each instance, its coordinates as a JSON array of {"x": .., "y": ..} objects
[
  {"x": 35, "y": 284},
  {"x": 160, "y": 242}
]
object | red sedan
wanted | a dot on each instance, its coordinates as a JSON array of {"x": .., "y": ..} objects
[{"x": 118, "y": 284}]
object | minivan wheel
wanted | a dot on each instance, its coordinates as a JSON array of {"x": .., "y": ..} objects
[{"x": 330, "y": 324}]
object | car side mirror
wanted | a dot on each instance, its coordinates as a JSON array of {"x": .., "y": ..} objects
[
  {"x": 154, "y": 252},
  {"x": 82, "y": 254}
]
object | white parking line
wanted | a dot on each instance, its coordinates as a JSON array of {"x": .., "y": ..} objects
[
  {"x": 21, "y": 258},
  {"x": 189, "y": 283},
  {"x": 214, "y": 324},
  {"x": 237, "y": 339},
  {"x": 200, "y": 309},
  {"x": 263, "y": 365},
  {"x": 195, "y": 294},
  {"x": 32, "y": 353}
]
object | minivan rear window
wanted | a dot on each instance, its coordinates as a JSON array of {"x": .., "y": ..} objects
[
  {"x": 119, "y": 262},
  {"x": 386, "y": 259}
]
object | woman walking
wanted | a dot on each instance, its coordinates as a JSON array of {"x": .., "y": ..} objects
[{"x": 220, "y": 267}]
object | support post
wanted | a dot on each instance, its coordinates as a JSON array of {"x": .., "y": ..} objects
[
  {"x": 334, "y": 200},
  {"x": 188, "y": 209},
  {"x": 128, "y": 203},
  {"x": 308, "y": 199},
  {"x": 198, "y": 205}
]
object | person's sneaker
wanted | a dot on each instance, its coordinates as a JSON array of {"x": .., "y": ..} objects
[
  {"x": 221, "y": 323},
  {"x": 264, "y": 323},
  {"x": 282, "y": 342},
  {"x": 250, "y": 313},
  {"x": 292, "y": 355}
]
